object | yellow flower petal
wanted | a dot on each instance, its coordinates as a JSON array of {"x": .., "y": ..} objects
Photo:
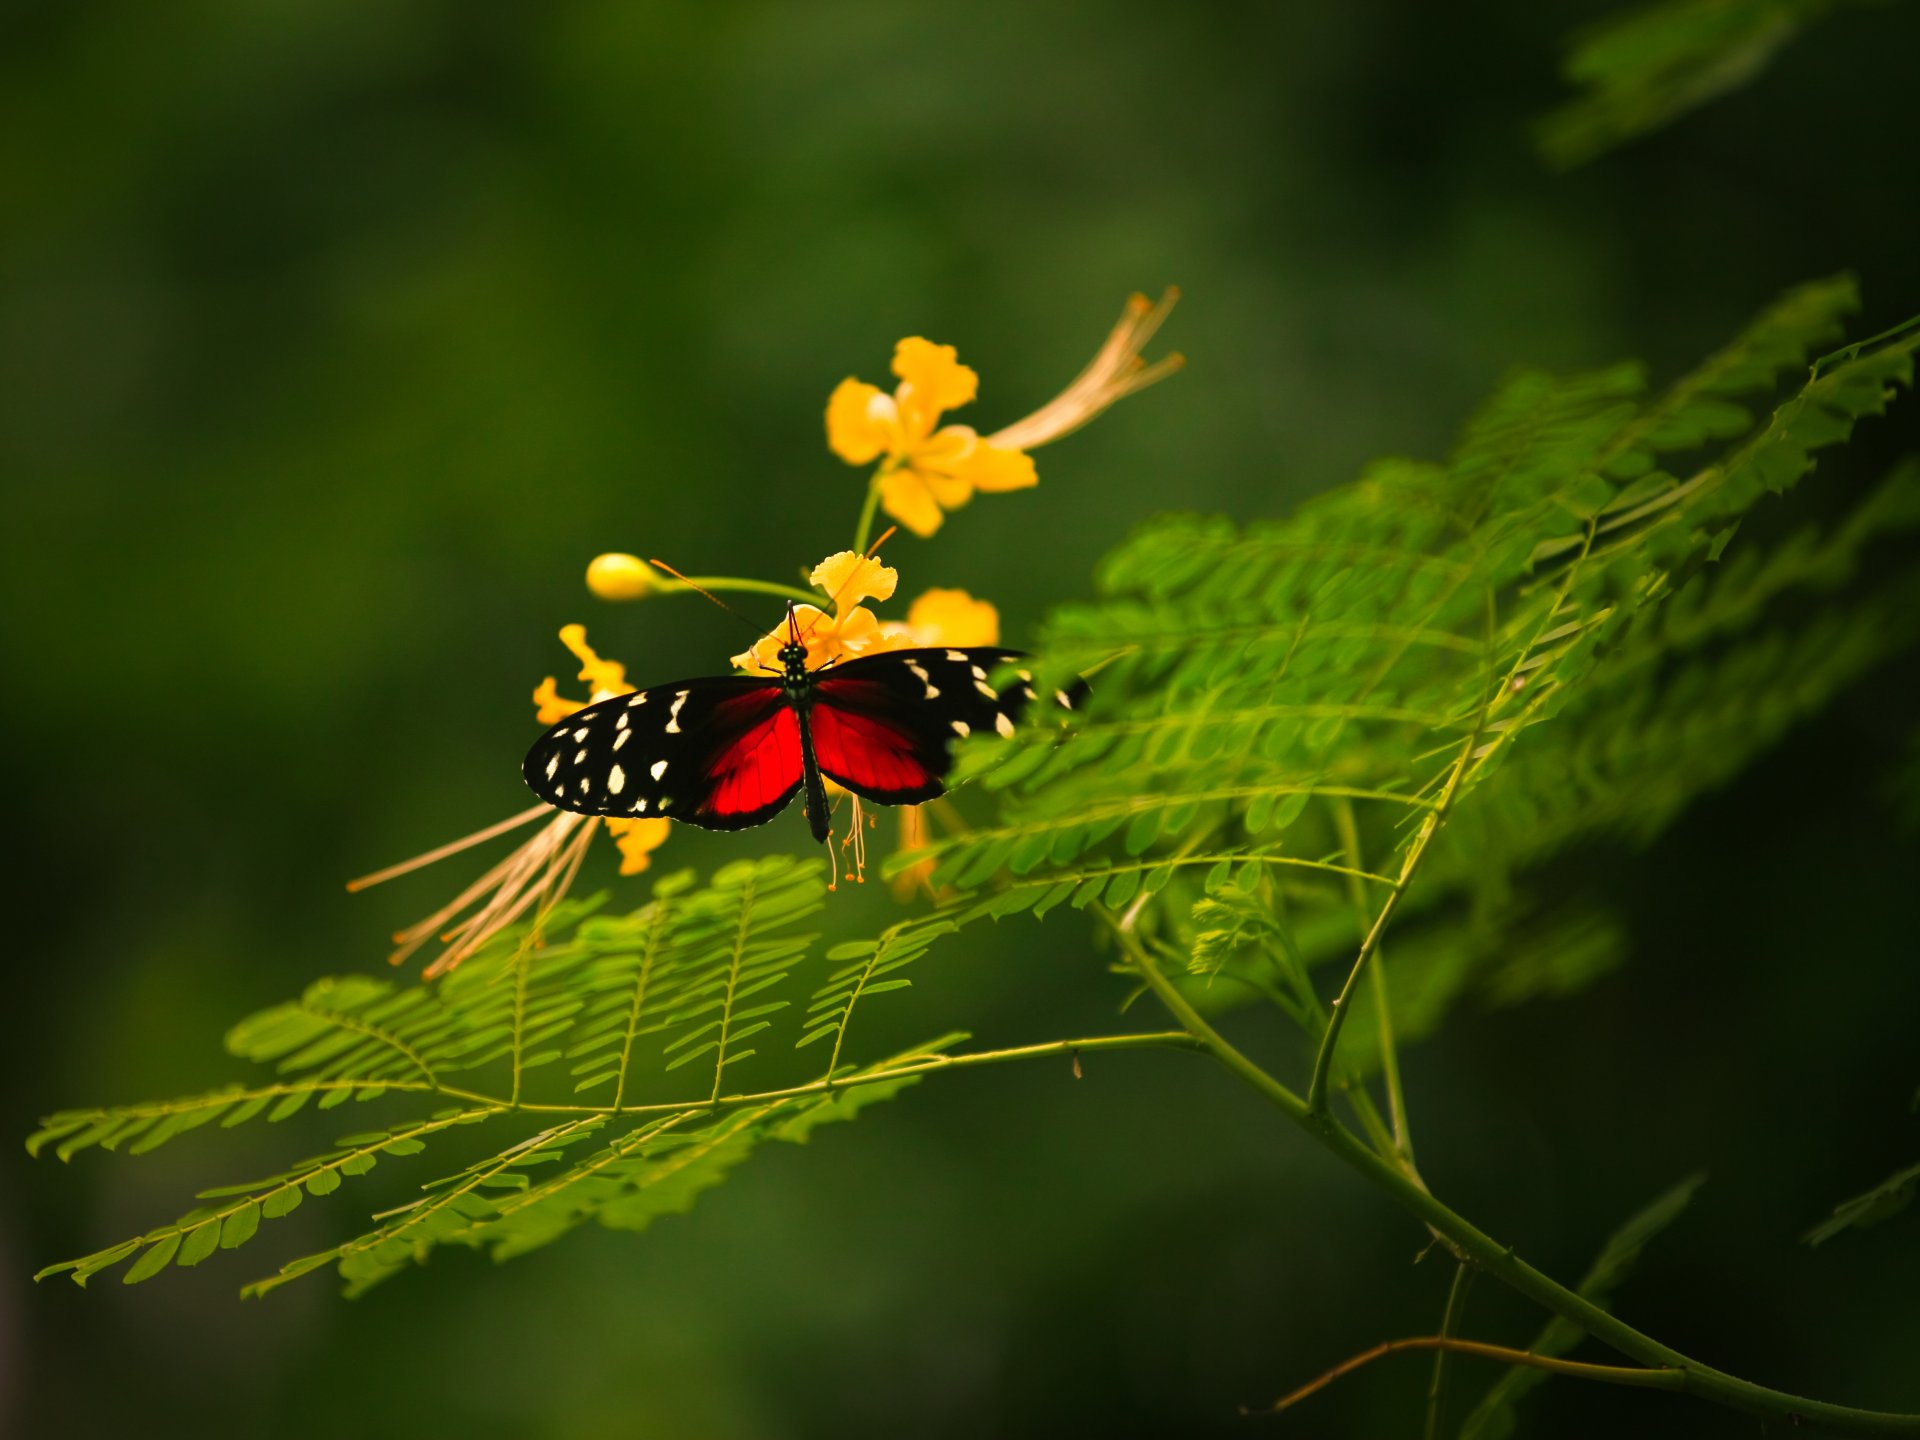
[
  {"x": 949, "y": 491},
  {"x": 856, "y": 632},
  {"x": 992, "y": 471},
  {"x": 861, "y": 421},
  {"x": 892, "y": 635},
  {"x": 952, "y": 617},
  {"x": 932, "y": 379},
  {"x": 606, "y": 677},
  {"x": 550, "y": 707},
  {"x": 638, "y": 839},
  {"x": 905, "y": 496},
  {"x": 850, "y": 577}
]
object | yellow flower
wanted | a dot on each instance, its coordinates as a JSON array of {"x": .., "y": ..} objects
[
  {"x": 540, "y": 870},
  {"x": 940, "y": 618},
  {"x": 637, "y": 839},
  {"x": 616, "y": 576},
  {"x": 849, "y": 630},
  {"x": 927, "y": 470},
  {"x": 605, "y": 679}
]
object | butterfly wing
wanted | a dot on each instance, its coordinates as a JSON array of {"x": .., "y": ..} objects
[
  {"x": 882, "y": 726},
  {"x": 721, "y": 753}
]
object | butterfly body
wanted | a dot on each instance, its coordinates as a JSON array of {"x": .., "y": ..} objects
[{"x": 731, "y": 751}]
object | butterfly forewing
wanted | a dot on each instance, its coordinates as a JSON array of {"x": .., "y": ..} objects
[
  {"x": 883, "y": 726},
  {"x": 728, "y": 752},
  {"x": 723, "y": 753}
]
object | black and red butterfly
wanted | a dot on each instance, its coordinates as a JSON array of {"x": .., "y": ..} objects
[{"x": 731, "y": 751}]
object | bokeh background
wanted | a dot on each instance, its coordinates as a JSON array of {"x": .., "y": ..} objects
[{"x": 334, "y": 340}]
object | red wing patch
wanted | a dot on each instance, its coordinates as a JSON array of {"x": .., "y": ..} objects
[
  {"x": 863, "y": 741},
  {"x": 757, "y": 770}
]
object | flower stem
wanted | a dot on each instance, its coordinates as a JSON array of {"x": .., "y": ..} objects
[
  {"x": 863, "y": 532},
  {"x": 753, "y": 587}
]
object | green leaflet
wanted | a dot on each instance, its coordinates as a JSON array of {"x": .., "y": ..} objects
[
  {"x": 1650, "y": 64},
  {"x": 1883, "y": 1202}
]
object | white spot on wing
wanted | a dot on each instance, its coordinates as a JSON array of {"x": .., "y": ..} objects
[
  {"x": 986, "y": 689},
  {"x": 622, "y": 737},
  {"x": 585, "y": 781},
  {"x": 657, "y": 769},
  {"x": 1066, "y": 700},
  {"x": 553, "y": 764},
  {"x": 616, "y": 780},
  {"x": 961, "y": 728},
  {"x": 933, "y": 690},
  {"x": 580, "y": 755},
  {"x": 640, "y": 806},
  {"x": 581, "y": 733},
  {"x": 1003, "y": 723},
  {"x": 673, "y": 715},
  {"x": 621, "y": 723},
  {"x": 959, "y": 655},
  {"x": 639, "y": 699}
]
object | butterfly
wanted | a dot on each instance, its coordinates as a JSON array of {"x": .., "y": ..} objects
[{"x": 731, "y": 751}]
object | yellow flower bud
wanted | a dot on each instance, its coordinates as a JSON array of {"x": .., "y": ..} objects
[{"x": 620, "y": 577}]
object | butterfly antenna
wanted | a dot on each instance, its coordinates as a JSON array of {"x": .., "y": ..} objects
[{"x": 698, "y": 588}]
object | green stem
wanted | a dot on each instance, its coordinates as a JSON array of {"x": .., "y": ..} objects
[
  {"x": 863, "y": 532},
  {"x": 751, "y": 587},
  {"x": 1636, "y": 1376},
  {"x": 1349, "y": 834},
  {"x": 1449, "y": 1323},
  {"x": 1500, "y": 1261},
  {"x": 1429, "y": 827},
  {"x": 1093, "y": 1044}
]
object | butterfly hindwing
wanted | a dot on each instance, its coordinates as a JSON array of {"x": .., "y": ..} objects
[
  {"x": 883, "y": 725},
  {"x": 722, "y": 753}
]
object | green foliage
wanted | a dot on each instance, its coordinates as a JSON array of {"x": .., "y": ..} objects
[
  {"x": 1493, "y": 1417},
  {"x": 1397, "y": 650},
  {"x": 1447, "y": 672},
  {"x": 1641, "y": 70},
  {"x": 683, "y": 982}
]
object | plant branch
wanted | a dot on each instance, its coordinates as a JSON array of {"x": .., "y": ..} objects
[
  {"x": 1087, "y": 1045},
  {"x": 1500, "y": 1261},
  {"x": 1349, "y": 834},
  {"x": 1449, "y": 1323},
  {"x": 1658, "y": 1377},
  {"x": 1429, "y": 827}
]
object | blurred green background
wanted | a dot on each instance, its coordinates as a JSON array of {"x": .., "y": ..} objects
[{"x": 336, "y": 338}]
